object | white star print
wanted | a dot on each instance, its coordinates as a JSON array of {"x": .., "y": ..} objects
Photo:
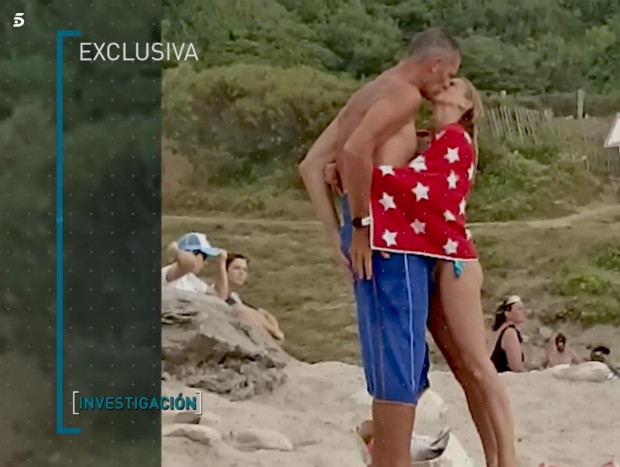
[
  {"x": 420, "y": 191},
  {"x": 468, "y": 234},
  {"x": 452, "y": 179},
  {"x": 450, "y": 247},
  {"x": 389, "y": 237},
  {"x": 452, "y": 155},
  {"x": 470, "y": 172},
  {"x": 440, "y": 134},
  {"x": 418, "y": 164},
  {"x": 462, "y": 206},
  {"x": 386, "y": 170},
  {"x": 448, "y": 216},
  {"x": 387, "y": 202},
  {"x": 418, "y": 227}
]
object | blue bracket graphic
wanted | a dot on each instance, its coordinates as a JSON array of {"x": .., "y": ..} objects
[{"x": 60, "y": 428}]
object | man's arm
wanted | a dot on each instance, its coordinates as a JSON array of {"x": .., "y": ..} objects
[
  {"x": 382, "y": 121},
  {"x": 322, "y": 152}
]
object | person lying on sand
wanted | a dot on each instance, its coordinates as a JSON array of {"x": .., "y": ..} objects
[
  {"x": 559, "y": 353},
  {"x": 188, "y": 256},
  {"x": 601, "y": 354}
]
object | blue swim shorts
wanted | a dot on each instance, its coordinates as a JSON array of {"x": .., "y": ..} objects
[{"x": 392, "y": 314}]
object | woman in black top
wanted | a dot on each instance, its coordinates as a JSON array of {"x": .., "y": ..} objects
[{"x": 507, "y": 352}]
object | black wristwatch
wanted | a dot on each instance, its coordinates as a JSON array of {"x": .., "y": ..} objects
[{"x": 360, "y": 222}]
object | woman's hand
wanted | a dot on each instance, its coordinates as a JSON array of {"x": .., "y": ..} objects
[{"x": 330, "y": 174}]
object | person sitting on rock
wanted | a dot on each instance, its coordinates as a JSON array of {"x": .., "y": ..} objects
[
  {"x": 559, "y": 353},
  {"x": 189, "y": 255},
  {"x": 237, "y": 274}
]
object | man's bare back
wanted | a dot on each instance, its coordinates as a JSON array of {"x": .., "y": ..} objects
[{"x": 396, "y": 150}]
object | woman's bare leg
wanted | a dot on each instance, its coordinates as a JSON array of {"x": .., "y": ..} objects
[
  {"x": 462, "y": 306},
  {"x": 257, "y": 321},
  {"x": 475, "y": 400}
]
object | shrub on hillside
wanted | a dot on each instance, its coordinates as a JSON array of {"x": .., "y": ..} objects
[
  {"x": 516, "y": 182},
  {"x": 241, "y": 121}
]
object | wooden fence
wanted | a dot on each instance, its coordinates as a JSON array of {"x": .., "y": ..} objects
[{"x": 580, "y": 139}]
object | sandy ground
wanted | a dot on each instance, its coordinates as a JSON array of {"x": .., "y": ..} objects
[{"x": 569, "y": 424}]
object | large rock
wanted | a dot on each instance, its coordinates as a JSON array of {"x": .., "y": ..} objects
[
  {"x": 206, "y": 347},
  {"x": 254, "y": 439},
  {"x": 201, "y": 434}
]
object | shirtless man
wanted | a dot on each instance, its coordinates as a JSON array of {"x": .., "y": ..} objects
[
  {"x": 559, "y": 353},
  {"x": 360, "y": 137}
]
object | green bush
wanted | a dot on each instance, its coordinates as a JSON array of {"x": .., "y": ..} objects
[
  {"x": 589, "y": 284},
  {"x": 243, "y": 121},
  {"x": 517, "y": 182},
  {"x": 607, "y": 256}
]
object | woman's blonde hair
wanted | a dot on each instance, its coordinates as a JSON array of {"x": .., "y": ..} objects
[{"x": 470, "y": 118}]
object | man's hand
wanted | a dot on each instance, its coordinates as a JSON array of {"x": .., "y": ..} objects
[{"x": 361, "y": 254}]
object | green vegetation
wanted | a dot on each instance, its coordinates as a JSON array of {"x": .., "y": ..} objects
[
  {"x": 590, "y": 284},
  {"x": 273, "y": 73},
  {"x": 563, "y": 274}
]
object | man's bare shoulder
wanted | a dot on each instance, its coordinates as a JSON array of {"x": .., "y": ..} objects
[{"x": 390, "y": 88}]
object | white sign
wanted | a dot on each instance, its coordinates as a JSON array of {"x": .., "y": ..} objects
[{"x": 613, "y": 138}]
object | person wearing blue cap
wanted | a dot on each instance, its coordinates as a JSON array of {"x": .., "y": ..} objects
[{"x": 190, "y": 253}]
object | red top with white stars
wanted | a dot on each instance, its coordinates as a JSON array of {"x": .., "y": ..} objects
[{"x": 421, "y": 208}]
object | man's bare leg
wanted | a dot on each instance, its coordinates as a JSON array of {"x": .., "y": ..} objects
[{"x": 392, "y": 430}]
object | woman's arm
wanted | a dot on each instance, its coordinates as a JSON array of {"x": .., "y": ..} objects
[
  {"x": 312, "y": 171},
  {"x": 184, "y": 262},
  {"x": 221, "y": 282},
  {"x": 514, "y": 351}
]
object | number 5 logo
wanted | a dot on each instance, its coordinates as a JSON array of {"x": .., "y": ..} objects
[{"x": 18, "y": 21}]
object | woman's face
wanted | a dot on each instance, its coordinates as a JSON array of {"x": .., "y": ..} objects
[
  {"x": 454, "y": 95},
  {"x": 517, "y": 313},
  {"x": 238, "y": 272}
]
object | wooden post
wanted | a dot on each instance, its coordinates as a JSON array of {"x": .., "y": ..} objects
[{"x": 581, "y": 95}]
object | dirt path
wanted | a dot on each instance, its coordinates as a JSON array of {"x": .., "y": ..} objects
[{"x": 585, "y": 213}]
